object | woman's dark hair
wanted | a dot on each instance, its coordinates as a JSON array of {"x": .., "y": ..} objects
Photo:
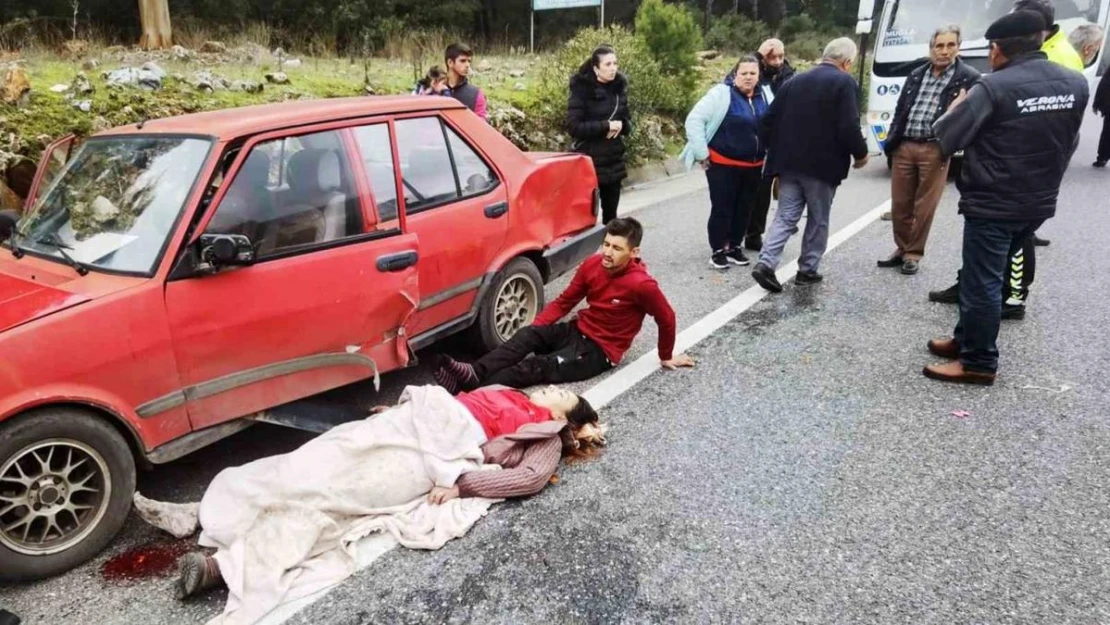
[
  {"x": 434, "y": 74},
  {"x": 746, "y": 58},
  {"x": 595, "y": 58},
  {"x": 582, "y": 413}
]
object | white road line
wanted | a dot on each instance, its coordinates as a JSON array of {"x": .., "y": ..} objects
[
  {"x": 373, "y": 547},
  {"x": 631, "y": 374}
]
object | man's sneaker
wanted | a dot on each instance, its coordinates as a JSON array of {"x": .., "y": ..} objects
[
  {"x": 807, "y": 277},
  {"x": 718, "y": 260},
  {"x": 1013, "y": 311},
  {"x": 951, "y": 295},
  {"x": 736, "y": 257},
  {"x": 754, "y": 244},
  {"x": 887, "y": 216},
  {"x": 909, "y": 267},
  {"x": 766, "y": 278},
  {"x": 1039, "y": 242},
  {"x": 1099, "y": 163}
]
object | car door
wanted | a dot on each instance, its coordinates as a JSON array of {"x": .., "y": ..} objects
[
  {"x": 326, "y": 300},
  {"x": 454, "y": 201}
]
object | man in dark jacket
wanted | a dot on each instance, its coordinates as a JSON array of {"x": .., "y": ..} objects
[
  {"x": 1019, "y": 127},
  {"x": 1102, "y": 107},
  {"x": 812, "y": 133},
  {"x": 918, "y": 169},
  {"x": 458, "y": 57}
]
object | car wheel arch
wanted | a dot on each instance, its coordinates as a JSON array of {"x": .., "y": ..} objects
[{"x": 104, "y": 413}]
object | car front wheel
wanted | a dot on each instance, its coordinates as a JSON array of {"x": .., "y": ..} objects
[
  {"x": 513, "y": 301},
  {"x": 66, "y": 482}
]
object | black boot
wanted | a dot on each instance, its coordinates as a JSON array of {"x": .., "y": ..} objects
[{"x": 951, "y": 295}]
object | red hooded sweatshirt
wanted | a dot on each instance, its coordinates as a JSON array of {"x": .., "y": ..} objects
[{"x": 617, "y": 305}]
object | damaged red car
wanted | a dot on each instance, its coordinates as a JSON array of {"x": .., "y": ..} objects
[{"x": 175, "y": 281}]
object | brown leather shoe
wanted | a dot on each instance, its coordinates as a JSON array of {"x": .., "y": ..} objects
[
  {"x": 945, "y": 348},
  {"x": 955, "y": 372}
]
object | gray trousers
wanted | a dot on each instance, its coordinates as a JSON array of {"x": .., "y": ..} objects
[{"x": 796, "y": 193}]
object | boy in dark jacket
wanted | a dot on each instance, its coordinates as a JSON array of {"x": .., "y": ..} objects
[{"x": 620, "y": 293}]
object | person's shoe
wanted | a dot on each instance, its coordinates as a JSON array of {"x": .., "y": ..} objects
[
  {"x": 945, "y": 348},
  {"x": 736, "y": 257},
  {"x": 951, "y": 295},
  {"x": 890, "y": 263},
  {"x": 754, "y": 244},
  {"x": 766, "y": 278},
  {"x": 1039, "y": 242},
  {"x": 1099, "y": 164},
  {"x": 195, "y": 572},
  {"x": 887, "y": 216},
  {"x": 909, "y": 267},
  {"x": 804, "y": 278},
  {"x": 1013, "y": 311},
  {"x": 719, "y": 260},
  {"x": 955, "y": 372}
]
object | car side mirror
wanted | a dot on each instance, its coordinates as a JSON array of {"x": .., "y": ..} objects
[
  {"x": 8, "y": 221},
  {"x": 224, "y": 250}
]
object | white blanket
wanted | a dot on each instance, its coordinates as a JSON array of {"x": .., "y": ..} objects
[{"x": 284, "y": 526}]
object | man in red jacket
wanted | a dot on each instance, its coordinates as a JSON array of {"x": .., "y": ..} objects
[{"x": 619, "y": 291}]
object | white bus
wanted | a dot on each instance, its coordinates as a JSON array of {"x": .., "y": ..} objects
[{"x": 902, "y": 29}]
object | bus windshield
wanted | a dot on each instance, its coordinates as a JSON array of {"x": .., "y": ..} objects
[{"x": 910, "y": 24}]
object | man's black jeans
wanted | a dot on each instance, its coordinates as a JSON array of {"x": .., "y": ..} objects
[
  {"x": 988, "y": 246},
  {"x": 562, "y": 354}
]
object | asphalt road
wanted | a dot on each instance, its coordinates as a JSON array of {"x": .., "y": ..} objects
[{"x": 804, "y": 472}]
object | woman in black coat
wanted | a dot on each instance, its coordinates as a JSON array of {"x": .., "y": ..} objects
[{"x": 598, "y": 118}]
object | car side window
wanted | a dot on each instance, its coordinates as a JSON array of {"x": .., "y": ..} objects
[
  {"x": 291, "y": 193},
  {"x": 475, "y": 175},
  {"x": 437, "y": 166},
  {"x": 377, "y": 160}
]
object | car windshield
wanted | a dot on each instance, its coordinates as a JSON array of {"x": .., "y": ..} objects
[
  {"x": 911, "y": 23},
  {"x": 116, "y": 202}
]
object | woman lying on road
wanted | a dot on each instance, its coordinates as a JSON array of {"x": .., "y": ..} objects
[{"x": 526, "y": 434}]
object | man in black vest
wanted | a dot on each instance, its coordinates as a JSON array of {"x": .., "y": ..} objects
[
  {"x": 458, "y": 57},
  {"x": 1019, "y": 128}
]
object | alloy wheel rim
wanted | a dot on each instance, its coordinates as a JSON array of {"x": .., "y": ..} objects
[
  {"x": 516, "y": 306},
  {"x": 53, "y": 494}
]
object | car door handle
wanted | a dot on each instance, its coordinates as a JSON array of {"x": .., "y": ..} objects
[
  {"x": 397, "y": 262},
  {"x": 493, "y": 211}
]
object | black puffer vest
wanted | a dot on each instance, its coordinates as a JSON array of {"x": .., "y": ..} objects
[{"x": 1013, "y": 168}]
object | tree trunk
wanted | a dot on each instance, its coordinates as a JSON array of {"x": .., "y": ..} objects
[
  {"x": 708, "y": 14},
  {"x": 155, "y": 18}
]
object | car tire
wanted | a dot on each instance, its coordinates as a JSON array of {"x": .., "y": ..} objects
[
  {"x": 71, "y": 476},
  {"x": 513, "y": 301}
]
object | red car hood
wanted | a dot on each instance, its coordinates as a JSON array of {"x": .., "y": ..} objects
[{"x": 22, "y": 301}]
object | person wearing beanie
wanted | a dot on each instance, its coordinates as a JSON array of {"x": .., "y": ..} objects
[{"x": 1018, "y": 127}]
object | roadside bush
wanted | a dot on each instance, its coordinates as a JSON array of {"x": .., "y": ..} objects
[
  {"x": 672, "y": 38},
  {"x": 736, "y": 34}
]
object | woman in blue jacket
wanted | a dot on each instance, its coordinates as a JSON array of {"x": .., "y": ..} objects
[{"x": 722, "y": 134}]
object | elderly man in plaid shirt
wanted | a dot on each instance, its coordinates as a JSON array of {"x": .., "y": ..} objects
[{"x": 918, "y": 169}]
